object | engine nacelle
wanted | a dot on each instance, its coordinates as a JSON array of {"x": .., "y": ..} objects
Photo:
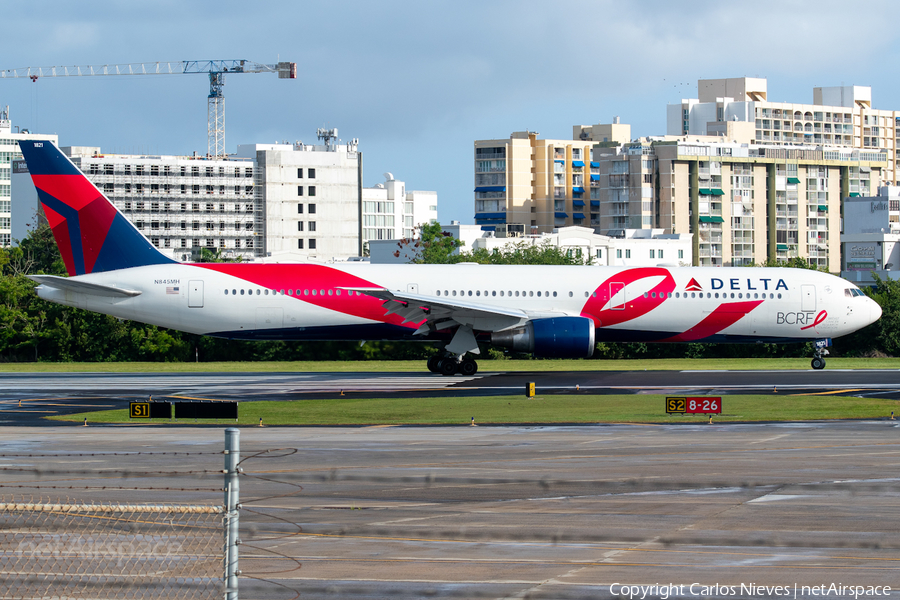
[{"x": 559, "y": 337}]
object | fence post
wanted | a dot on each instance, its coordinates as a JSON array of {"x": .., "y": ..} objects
[{"x": 232, "y": 497}]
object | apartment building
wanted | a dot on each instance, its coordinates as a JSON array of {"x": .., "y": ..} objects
[
  {"x": 745, "y": 203},
  {"x": 540, "y": 183},
  {"x": 840, "y": 116},
  {"x": 182, "y": 203},
  {"x": 267, "y": 199}
]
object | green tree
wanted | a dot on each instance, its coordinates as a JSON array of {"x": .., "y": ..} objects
[
  {"x": 882, "y": 336},
  {"x": 434, "y": 246},
  {"x": 37, "y": 253},
  {"x": 795, "y": 262},
  {"x": 214, "y": 255},
  {"x": 523, "y": 253}
]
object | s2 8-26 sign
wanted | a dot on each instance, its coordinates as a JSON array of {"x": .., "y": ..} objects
[{"x": 694, "y": 404}]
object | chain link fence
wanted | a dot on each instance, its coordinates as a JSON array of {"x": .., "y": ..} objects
[{"x": 74, "y": 550}]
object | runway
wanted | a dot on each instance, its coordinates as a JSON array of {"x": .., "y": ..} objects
[
  {"x": 43, "y": 394},
  {"x": 492, "y": 512},
  {"x": 510, "y": 512}
]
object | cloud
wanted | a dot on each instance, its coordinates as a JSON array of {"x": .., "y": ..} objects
[{"x": 418, "y": 82}]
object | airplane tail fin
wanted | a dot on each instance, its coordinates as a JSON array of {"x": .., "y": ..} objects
[{"x": 92, "y": 235}]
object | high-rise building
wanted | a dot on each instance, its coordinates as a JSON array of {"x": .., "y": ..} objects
[
  {"x": 840, "y": 116},
  {"x": 540, "y": 183},
  {"x": 182, "y": 203},
  {"x": 9, "y": 153},
  {"x": 265, "y": 200},
  {"x": 744, "y": 203}
]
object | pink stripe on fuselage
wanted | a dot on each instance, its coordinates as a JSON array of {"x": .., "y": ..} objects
[{"x": 320, "y": 278}]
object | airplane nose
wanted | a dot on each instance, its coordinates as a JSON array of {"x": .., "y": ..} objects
[{"x": 874, "y": 311}]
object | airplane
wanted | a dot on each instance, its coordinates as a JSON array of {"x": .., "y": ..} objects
[{"x": 549, "y": 311}]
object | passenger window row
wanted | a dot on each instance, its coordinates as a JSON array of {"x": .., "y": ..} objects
[
  {"x": 504, "y": 293},
  {"x": 739, "y": 295},
  {"x": 306, "y": 292}
]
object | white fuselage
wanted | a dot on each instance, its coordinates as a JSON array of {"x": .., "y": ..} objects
[{"x": 641, "y": 304}]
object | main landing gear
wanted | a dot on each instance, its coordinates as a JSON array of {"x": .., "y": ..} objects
[{"x": 451, "y": 365}]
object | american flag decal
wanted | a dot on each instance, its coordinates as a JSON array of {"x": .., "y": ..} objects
[{"x": 172, "y": 290}]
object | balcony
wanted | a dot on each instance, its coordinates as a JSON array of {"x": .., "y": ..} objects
[
  {"x": 618, "y": 181},
  {"x": 709, "y": 236}
]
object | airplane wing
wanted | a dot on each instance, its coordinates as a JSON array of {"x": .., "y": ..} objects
[
  {"x": 83, "y": 287},
  {"x": 441, "y": 313}
]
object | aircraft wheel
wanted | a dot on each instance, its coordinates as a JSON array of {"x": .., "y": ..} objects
[
  {"x": 818, "y": 363},
  {"x": 433, "y": 364},
  {"x": 468, "y": 367},
  {"x": 448, "y": 366}
]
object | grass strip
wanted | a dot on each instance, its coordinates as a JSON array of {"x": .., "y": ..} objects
[
  {"x": 486, "y": 366},
  {"x": 633, "y": 408}
]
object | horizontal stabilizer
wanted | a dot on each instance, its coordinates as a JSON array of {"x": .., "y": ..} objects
[{"x": 83, "y": 287}]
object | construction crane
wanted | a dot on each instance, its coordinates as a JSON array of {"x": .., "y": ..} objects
[{"x": 216, "y": 69}]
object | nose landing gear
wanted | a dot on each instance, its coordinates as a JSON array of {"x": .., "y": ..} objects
[{"x": 818, "y": 361}]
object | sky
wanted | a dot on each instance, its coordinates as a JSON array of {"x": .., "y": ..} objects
[{"x": 418, "y": 82}]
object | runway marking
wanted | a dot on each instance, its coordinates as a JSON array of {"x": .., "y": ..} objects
[
  {"x": 766, "y": 386},
  {"x": 778, "y": 497},
  {"x": 74, "y": 404},
  {"x": 282, "y": 383},
  {"x": 574, "y": 545},
  {"x": 576, "y": 563},
  {"x": 828, "y": 393},
  {"x": 771, "y": 371},
  {"x": 469, "y": 464},
  {"x": 410, "y": 519},
  {"x": 771, "y": 438}
]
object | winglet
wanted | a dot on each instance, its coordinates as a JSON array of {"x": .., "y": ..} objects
[{"x": 92, "y": 235}]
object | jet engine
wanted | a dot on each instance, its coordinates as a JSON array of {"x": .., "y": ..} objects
[{"x": 558, "y": 337}]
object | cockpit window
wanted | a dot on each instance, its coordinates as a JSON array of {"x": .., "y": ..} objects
[{"x": 853, "y": 292}]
